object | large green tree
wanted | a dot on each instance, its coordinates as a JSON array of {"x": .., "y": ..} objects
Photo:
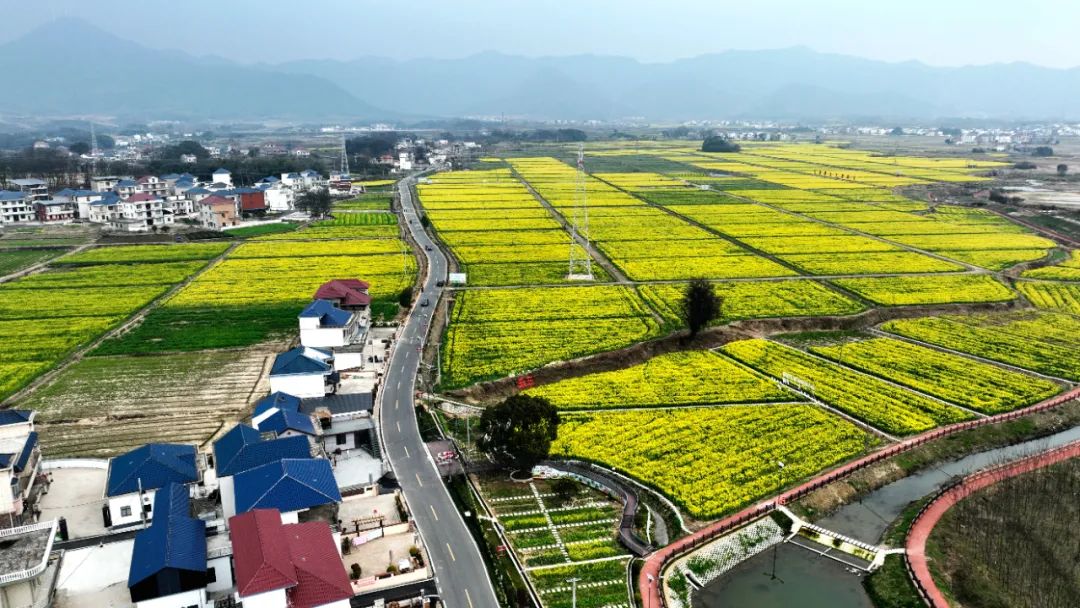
[
  {"x": 700, "y": 305},
  {"x": 517, "y": 433},
  {"x": 719, "y": 143},
  {"x": 316, "y": 202}
]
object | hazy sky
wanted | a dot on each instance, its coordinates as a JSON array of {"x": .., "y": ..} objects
[{"x": 938, "y": 32}]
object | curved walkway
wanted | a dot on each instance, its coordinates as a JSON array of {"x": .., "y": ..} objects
[
  {"x": 629, "y": 498},
  {"x": 930, "y": 514},
  {"x": 655, "y": 563}
]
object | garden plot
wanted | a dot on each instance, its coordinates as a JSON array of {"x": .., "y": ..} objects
[
  {"x": 563, "y": 535},
  {"x": 101, "y": 406}
]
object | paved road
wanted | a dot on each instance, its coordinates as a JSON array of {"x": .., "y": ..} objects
[{"x": 459, "y": 569}]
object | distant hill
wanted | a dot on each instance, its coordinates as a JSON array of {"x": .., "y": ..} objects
[
  {"x": 795, "y": 83},
  {"x": 70, "y": 67}
]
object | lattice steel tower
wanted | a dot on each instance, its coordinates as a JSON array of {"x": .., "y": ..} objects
[
  {"x": 580, "y": 261},
  {"x": 344, "y": 159}
]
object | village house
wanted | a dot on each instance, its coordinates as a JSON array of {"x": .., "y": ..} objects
[
  {"x": 279, "y": 413},
  {"x": 217, "y": 212},
  {"x": 140, "y": 212},
  {"x": 347, "y": 294},
  {"x": 324, "y": 325},
  {"x": 222, "y": 176},
  {"x": 277, "y": 195},
  {"x": 251, "y": 200},
  {"x": 284, "y": 565},
  {"x": 133, "y": 479},
  {"x": 54, "y": 211},
  {"x": 304, "y": 372},
  {"x": 126, "y": 187},
  {"x": 168, "y": 562},
  {"x": 34, "y": 188},
  {"x": 102, "y": 183},
  {"x": 81, "y": 199},
  {"x": 20, "y": 466},
  {"x": 244, "y": 448},
  {"x": 103, "y": 210},
  {"x": 189, "y": 159},
  {"x": 15, "y": 207},
  {"x": 290, "y": 485},
  {"x": 152, "y": 185}
]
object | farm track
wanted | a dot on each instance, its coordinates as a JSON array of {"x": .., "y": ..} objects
[
  {"x": 132, "y": 321},
  {"x": 18, "y": 274}
]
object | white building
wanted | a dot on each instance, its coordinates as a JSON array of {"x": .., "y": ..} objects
[
  {"x": 15, "y": 207},
  {"x": 20, "y": 464},
  {"x": 324, "y": 325},
  {"x": 134, "y": 478},
  {"x": 304, "y": 372},
  {"x": 139, "y": 212},
  {"x": 222, "y": 176}
]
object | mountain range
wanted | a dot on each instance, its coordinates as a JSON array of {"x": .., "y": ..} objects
[{"x": 69, "y": 67}]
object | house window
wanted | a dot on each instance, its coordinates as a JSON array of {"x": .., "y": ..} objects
[
  {"x": 341, "y": 439},
  {"x": 147, "y": 507},
  {"x": 125, "y": 511},
  {"x": 211, "y": 575}
]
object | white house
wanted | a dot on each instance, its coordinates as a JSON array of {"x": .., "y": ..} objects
[
  {"x": 222, "y": 176},
  {"x": 244, "y": 448},
  {"x": 324, "y": 325},
  {"x": 139, "y": 212},
  {"x": 20, "y": 463},
  {"x": 279, "y": 197},
  {"x": 304, "y": 372},
  {"x": 134, "y": 478},
  {"x": 15, "y": 207}
]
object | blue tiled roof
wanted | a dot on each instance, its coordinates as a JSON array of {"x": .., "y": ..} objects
[
  {"x": 125, "y": 183},
  {"x": 172, "y": 176},
  {"x": 155, "y": 464},
  {"x": 174, "y": 539},
  {"x": 296, "y": 362},
  {"x": 8, "y": 195},
  {"x": 199, "y": 190},
  {"x": 287, "y": 485},
  {"x": 279, "y": 400},
  {"x": 328, "y": 314},
  {"x": 221, "y": 171},
  {"x": 5, "y": 460},
  {"x": 287, "y": 420},
  {"x": 28, "y": 449},
  {"x": 269, "y": 179},
  {"x": 15, "y": 416},
  {"x": 109, "y": 198},
  {"x": 243, "y": 448}
]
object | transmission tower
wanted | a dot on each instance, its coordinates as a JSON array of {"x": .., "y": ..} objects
[
  {"x": 344, "y": 160},
  {"x": 580, "y": 261},
  {"x": 93, "y": 151}
]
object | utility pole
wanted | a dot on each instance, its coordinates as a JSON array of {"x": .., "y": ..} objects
[{"x": 573, "y": 591}]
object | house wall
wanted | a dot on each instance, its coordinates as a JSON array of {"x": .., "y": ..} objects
[
  {"x": 323, "y": 336},
  {"x": 17, "y": 595},
  {"x": 344, "y": 361},
  {"x": 228, "y": 499},
  {"x": 117, "y": 503},
  {"x": 195, "y": 597},
  {"x": 299, "y": 385},
  {"x": 223, "y": 571},
  {"x": 270, "y": 599},
  {"x": 330, "y": 441},
  {"x": 291, "y": 517}
]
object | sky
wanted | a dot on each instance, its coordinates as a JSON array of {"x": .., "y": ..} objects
[{"x": 936, "y": 32}]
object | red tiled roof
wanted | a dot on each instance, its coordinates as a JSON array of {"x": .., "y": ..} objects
[
  {"x": 261, "y": 552},
  {"x": 141, "y": 197},
  {"x": 214, "y": 199},
  {"x": 319, "y": 568},
  {"x": 349, "y": 291}
]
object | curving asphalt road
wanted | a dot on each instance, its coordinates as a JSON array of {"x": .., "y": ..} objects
[{"x": 460, "y": 573}]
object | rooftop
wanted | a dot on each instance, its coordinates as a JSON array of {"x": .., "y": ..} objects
[
  {"x": 174, "y": 540},
  {"x": 243, "y": 448},
  {"x": 302, "y": 360},
  {"x": 153, "y": 465},
  {"x": 287, "y": 485},
  {"x": 351, "y": 292},
  {"x": 26, "y": 548},
  {"x": 328, "y": 314}
]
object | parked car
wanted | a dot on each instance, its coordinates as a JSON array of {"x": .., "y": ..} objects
[
  {"x": 440, "y": 283},
  {"x": 424, "y": 302},
  {"x": 428, "y": 247}
]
